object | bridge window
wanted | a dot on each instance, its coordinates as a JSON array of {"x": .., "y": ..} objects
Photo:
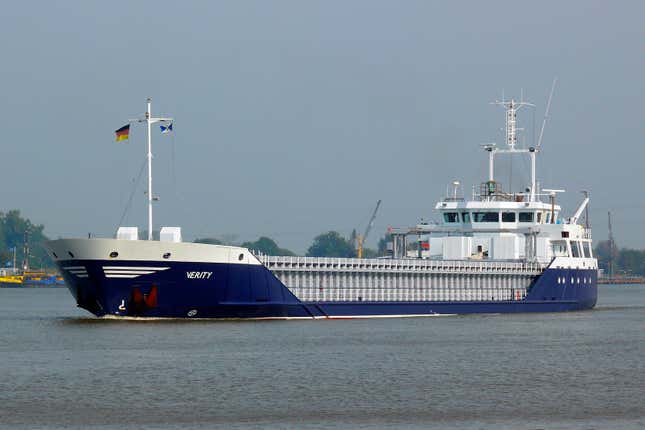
[
  {"x": 526, "y": 216},
  {"x": 539, "y": 217},
  {"x": 582, "y": 249},
  {"x": 450, "y": 217},
  {"x": 508, "y": 216},
  {"x": 465, "y": 217},
  {"x": 559, "y": 248},
  {"x": 575, "y": 251},
  {"x": 485, "y": 216},
  {"x": 590, "y": 255}
]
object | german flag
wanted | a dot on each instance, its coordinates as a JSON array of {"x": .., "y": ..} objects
[{"x": 123, "y": 133}]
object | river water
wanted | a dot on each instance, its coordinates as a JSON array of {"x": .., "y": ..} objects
[{"x": 62, "y": 368}]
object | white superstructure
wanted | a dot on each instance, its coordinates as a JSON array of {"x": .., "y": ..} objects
[{"x": 501, "y": 225}]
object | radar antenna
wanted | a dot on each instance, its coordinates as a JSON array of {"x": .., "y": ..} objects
[{"x": 511, "y": 108}]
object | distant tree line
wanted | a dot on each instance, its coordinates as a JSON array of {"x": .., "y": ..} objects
[
  {"x": 329, "y": 244},
  {"x": 625, "y": 261},
  {"x": 264, "y": 244},
  {"x": 14, "y": 230}
]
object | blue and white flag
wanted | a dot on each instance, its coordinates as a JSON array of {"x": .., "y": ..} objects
[{"x": 166, "y": 128}]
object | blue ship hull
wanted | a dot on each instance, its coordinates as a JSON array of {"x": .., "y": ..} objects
[{"x": 252, "y": 291}]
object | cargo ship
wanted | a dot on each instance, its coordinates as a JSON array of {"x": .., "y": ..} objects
[{"x": 496, "y": 252}]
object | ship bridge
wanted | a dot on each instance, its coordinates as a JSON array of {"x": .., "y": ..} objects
[{"x": 492, "y": 207}]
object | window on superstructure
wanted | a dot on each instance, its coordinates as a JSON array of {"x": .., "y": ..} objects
[
  {"x": 450, "y": 217},
  {"x": 590, "y": 250},
  {"x": 575, "y": 251},
  {"x": 559, "y": 248},
  {"x": 465, "y": 217},
  {"x": 583, "y": 251},
  {"x": 539, "y": 217},
  {"x": 508, "y": 216},
  {"x": 485, "y": 216},
  {"x": 526, "y": 217}
]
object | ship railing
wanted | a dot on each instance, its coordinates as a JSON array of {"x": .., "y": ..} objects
[
  {"x": 398, "y": 265},
  {"x": 501, "y": 197}
]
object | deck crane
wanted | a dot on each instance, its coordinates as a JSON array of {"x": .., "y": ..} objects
[{"x": 360, "y": 240}]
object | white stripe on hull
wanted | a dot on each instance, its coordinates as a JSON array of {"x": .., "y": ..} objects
[{"x": 130, "y": 272}]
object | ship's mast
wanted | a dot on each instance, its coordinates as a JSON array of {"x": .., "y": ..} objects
[
  {"x": 148, "y": 115},
  {"x": 149, "y": 120},
  {"x": 511, "y": 107}
]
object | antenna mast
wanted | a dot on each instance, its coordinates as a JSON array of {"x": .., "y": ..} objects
[
  {"x": 25, "y": 252},
  {"x": 546, "y": 113},
  {"x": 511, "y": 107}
]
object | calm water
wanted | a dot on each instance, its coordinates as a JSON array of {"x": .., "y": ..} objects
[{"x": 61, "y": 368}]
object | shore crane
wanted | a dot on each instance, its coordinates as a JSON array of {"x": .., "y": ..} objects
[
  {"x": 360, "y": 240},
  {"x": 612, "y": 247}
]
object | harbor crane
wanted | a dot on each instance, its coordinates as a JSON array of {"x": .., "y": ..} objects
[
  {"x": 612, "y": 247},
  {"x": 360, "y": 240}
]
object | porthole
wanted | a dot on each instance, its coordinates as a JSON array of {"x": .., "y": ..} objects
[
  {"x": 166, "y": 255},
  {"x": 572, "y": 280},
  {"x": 70, "y": 254},
  {"x": 578, "y": 280},
  {"x": 241, "y": 257},
  {"x": 114, "y": 254},
  {"x": 558, "y": 279}
]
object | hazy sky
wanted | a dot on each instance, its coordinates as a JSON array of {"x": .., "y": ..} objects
[{"x": 294, "y": 117}]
